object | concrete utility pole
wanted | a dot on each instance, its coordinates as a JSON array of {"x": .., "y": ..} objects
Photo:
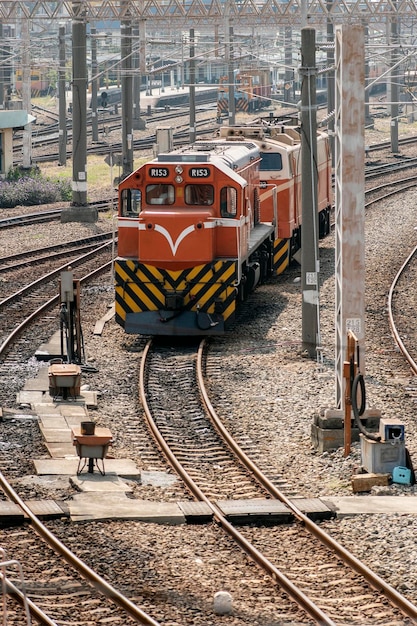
[
  {"x": 350, "y": 197},
  {"x": 79, "y": 210},
  {"x": 395, "y": 90},
  {"x": 2, "y": 62},
  {"x": 231, "y": 80},
  {"x": 127, "y": 97},
  {"x": 79, "y": 107},
  {"x": 138, "y": 123},
  {"x": 94, "y": 85},
  {"x": 330, "y": 79},
  {"x": 62, "y": 99},
  {"x": 309, "y": 230},
  {"x": 192, "y": 87},
  {"x": 26, "y": 95},
  {"x": 289, "y": 78}
]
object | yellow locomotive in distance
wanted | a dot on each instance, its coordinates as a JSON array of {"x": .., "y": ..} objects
[{"x": 40, "y": 84}]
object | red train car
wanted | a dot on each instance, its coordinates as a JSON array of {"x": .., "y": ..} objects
[
  {"x": 280, "y": 181},
  {"x": 191, "y": 243}
]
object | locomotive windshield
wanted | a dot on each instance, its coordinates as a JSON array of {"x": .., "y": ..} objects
[
  {"x": 160, "y": 194},
  {"x": 271, "y": 161},
  {"x": 197, "y": 195}
]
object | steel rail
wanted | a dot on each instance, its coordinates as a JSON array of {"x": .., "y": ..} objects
[
  {"x": 402, "y": 185},
  {"x": 20, "y": 259},
  {"x": 45, "y": 306},
  {"x": 53, "y": 273},
  {"x": 86, "y": 572},
  {"x": 22, "y": 599},
  {"x": 393, "y": 327},
  {"x": 296, "y": 594},
  {"x": 43, "y": 216},
  {"x": 398, "y": 600},
  {"x": 97, "y": 581}
]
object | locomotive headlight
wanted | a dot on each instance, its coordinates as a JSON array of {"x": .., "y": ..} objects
[
  {"x": 178, "y": 169},
  {"x": 178, "y": 179}
]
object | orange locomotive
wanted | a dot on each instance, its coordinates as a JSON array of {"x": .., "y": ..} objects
[
  {"x": 201, "y": 226},
  {"x": 280, "y": 181},
  {"x": 252, "y": 92},
  {"x": 191, "y": 241}
]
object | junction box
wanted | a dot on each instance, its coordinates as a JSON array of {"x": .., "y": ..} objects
[
  {"x": 381, "y": 457},
  {"x": 391, "y": 430}
]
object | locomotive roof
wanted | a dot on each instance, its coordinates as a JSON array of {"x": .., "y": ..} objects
[{"x": 233, "y": 155}]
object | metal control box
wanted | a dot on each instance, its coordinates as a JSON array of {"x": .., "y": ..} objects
[
  {"x": 64, "y": 379},
  {"x": 380, "y": 457},
  {"x": 391, "y": 430}
]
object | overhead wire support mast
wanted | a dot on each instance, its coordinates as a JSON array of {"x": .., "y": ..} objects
[
  {"x": 127, "y": 95},
  {"x": 309, "y": 231}
]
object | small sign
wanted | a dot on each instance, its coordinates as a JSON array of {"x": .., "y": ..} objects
[
  {"x": 114, "y": 159},
  {"x": 199, "y": 172},
  {"x": 354, "y": 324},
  {"x": 311, "y": 278},
  {"x": 158, "y": 172}
]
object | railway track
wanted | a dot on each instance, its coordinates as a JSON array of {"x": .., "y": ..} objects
[
  {"x": 22, "y": 305},
  {"x": 26, "y": 312},
  {"x": 60, "y": 590},
  {"x": 30, "y": 258},
  {"x": 268, "y": 543},
  {"x": 46, "y": 215},
  {"x": 199, "y": 460},
  {"x": 390, "y": 188},
  {"x": 48, "y": 136}
]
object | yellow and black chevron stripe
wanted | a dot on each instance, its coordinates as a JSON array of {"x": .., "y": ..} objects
[
  {"x": 222, "y": 106},
  {"x": 282, "y": 249},
  {"x": 208, "y": 288},
  {"x": 242, "y": 105}
]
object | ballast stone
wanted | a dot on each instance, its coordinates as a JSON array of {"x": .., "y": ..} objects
[{"x": 223, "y": 603}]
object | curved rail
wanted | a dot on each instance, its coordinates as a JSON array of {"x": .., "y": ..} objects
[
  {"x": 45, "y": 306},
  {"x": 373, "y": 579},
  {"x": 54, "y": 273},
  {"x": 25, "y": 602},
  {"x": 296, "y": 594},
  {"x": 46, "y": 216},
  {"x": 39, "y": 255},
  {"x": 99, "y": 583},
  {"x": 394, "y": 330}
]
